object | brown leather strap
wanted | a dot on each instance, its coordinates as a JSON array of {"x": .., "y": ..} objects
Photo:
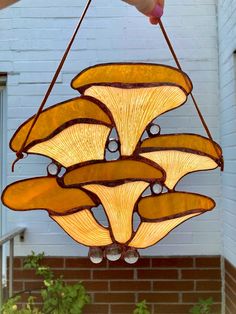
[
  {"x": 191, "y": 94},
  {"x": 19, "y": 154}
]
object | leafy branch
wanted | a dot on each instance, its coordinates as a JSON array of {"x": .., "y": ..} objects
[{"x": 57, "y": 297}]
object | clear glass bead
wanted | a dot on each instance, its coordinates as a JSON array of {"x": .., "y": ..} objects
[
  {"x": 157, "y": 188},
  {"x": 53, "y": 169},
  {"x": 113, "y": 252},
  {"x": 113, "y": 146},
  {"x": 154, "y": 129},
  {"x": 95, "y": 255},
  {"x": 131, "y": 256}
]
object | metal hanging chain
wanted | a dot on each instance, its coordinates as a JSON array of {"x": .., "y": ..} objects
[
  {"x": 19, "y": 154},
  {"x": 191, "y": 94}
]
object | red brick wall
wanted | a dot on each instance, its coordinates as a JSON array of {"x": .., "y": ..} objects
[
  {"x": 170, "y": 285},
  {"x": 230, "y": 288}
]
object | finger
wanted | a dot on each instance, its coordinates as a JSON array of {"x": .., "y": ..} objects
[
  {"x": 6, "y": 3},
  {"x": 157, "y": 12},
  {"x": 154, "y": 20}
]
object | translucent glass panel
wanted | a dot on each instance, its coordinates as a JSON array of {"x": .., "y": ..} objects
[
  {"x": 83, "y": 228},
  {"x": 131, "y": 73}
]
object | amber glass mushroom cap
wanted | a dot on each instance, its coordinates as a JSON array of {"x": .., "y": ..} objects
[
  {"x": 188, "y": 141},
  {"x": 114, "y": 172},
  {"x": 161, "y": 214},
  {"x": 131, "y": 73},
  {"x": 181, "y": 154},
  {"x": 45, "y": 193},
  {"x": 58, "y": 116},
  {"x": 173, "y": 205}
]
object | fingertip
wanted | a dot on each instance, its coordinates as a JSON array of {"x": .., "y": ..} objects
[
  {"x": 154, "y": 20},
  {"x": 157, "y": 11}
]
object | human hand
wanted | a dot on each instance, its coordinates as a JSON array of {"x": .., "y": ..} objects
[
  {"x": 6, "y": 3},
  {"x": 157, "y": 12},
  {"x": 151, "y": 8}
]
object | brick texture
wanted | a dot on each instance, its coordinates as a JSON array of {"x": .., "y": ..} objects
[
  {"x": 169, "y": 285},
  {"x": 230, "y": 288}
]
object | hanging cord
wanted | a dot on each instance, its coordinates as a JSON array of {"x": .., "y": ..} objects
[
  {"x": 191, "y": 94},
  {"x": 20, "y": 154}
]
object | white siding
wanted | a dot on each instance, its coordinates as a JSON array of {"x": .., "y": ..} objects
[
  {"x": 227, "y": 39},
  {"x": 33, "y": 37},
  {"x": 1, "y": 151},
  {"x": 3, "y": 146}
]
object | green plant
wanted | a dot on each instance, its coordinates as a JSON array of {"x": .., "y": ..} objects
[
  {"x": 142, "y": 308},
  {"x": 203, "y": 307},
  {"x": 11, "y": 307},
  {"x": 57, "y": 296}
]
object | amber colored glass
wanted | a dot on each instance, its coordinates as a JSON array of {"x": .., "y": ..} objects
[
  {"x": 184, "y": 141},
  {"x": 128, "y": 97},
  {"x": 134, "y": 108},
  {"x": 112, "y": 171},
  {"x": 171, "y": 205},
  {"x": 44, "y": 193},
  {"x": 131, "y": 73},
  {"x": 83, "y": 228},
  {"x": 180, "y": 154},
  {"x": 56, "y": 116}
]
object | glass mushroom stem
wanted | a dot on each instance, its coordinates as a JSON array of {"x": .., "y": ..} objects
[
  {"x": 134, "y": 108},
  {"x": 72, "y": 145},
  {"x": 83, "y": 228},
  {"x": 119, "y": 204}
]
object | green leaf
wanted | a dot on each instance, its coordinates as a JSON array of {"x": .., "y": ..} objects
[
  {"x": 57, "y": 296},
  {"x": 202, "y": 307},
  {"x": 142, "y": 308}
]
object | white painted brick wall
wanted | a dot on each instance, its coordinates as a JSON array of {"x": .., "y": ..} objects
[
  {"x": 227, "y": 46},
  {"x": 33, "y": 37}
]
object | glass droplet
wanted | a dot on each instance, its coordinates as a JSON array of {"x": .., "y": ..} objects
[
  {"x": 53, "y": 169},
  {"x": 61, "y": 172},
  {"x": 157, "y": 188},
  {"x": 95, "y": 255},
  {"x": 154, "y": 129},
  {"x": 131, "y": 256},
  {"x": 113, "y": 252},
  {"x": 113, "y": 146}
]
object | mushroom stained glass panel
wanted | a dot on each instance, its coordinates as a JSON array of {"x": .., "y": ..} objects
[{"x": 78, "y": 135}]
